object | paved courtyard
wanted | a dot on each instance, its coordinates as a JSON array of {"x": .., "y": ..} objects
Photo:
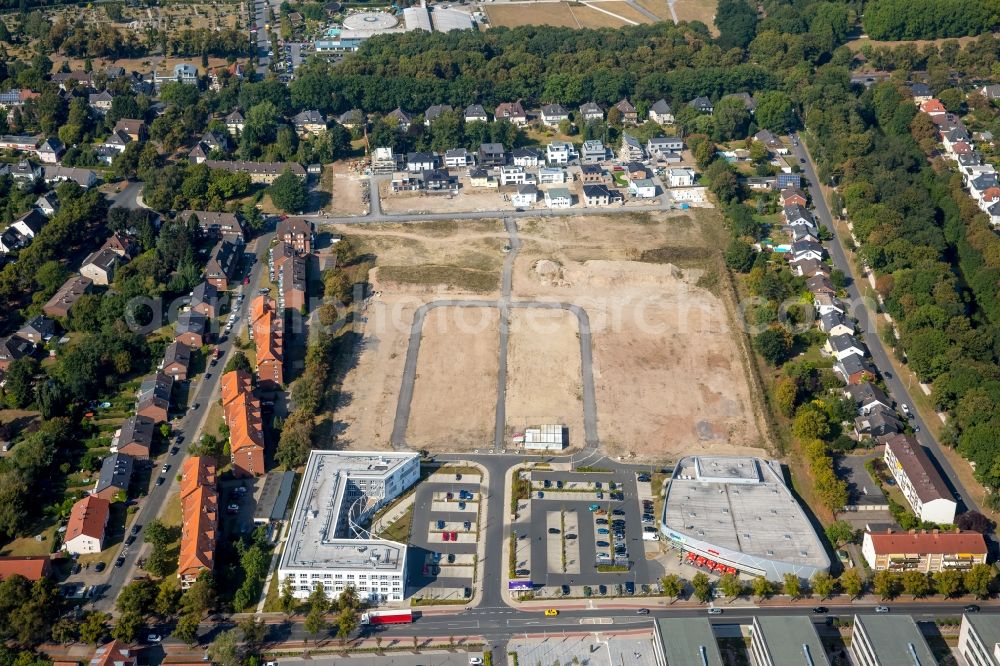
[{"x": 591, "y": 650}]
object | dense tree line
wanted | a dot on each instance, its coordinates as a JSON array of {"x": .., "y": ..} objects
[
  {"x": 936, "y": 262},
  {"x": 930, "y": 19},
  {"x": 536, "y": 64}
]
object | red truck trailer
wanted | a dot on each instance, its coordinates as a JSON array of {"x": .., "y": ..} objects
[{"x": 387, "y": 617}]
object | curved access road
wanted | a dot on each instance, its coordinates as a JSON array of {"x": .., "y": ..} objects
[{"x": 403, "y": 404}]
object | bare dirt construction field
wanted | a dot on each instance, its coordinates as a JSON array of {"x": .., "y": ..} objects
[
  {"x": 345, "y": 190},
  {"x": 469, "y": 199},
  {"x": 668, "y": 369},
  {"x": 415, "y": 264},
  {"x": 455, "y": 395},
  {"x": 543, "y": 371},
  {"x": 558, "y": 14}
]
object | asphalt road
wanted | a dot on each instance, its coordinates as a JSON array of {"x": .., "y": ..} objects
[
  {"x": 500, "y": 624},
  {"x": 867, "y": 324},
  {"x": 201, "y": 392},
  {"x": 129, "y": 196}
]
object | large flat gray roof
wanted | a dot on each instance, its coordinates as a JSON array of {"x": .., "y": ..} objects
[
  {"x": 689, "y": 641},
  {"x": 318, "y": 537},
  {"x": 742, "y": 504},
  {"x": 986, "y": 626},
  {"x": 790, "y": 639},
  {"x": 895, "y": 639}
]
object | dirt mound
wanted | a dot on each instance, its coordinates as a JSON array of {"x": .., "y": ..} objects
[{"x": 603, "y": 273}]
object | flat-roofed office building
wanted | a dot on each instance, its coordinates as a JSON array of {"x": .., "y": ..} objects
[
  {"x": 979, "y": 639},
  {"x": 889, "y": 640},
  {"x": 785, "y": 640},
  {"x": 327, "y": 542},
  {"x": 686, "y": 641}
]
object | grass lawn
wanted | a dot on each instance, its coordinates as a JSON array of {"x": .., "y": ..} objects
[
  {"x": 172, "y": 511},
  {"x": 26, "y": 546},
  {"x": 399, "y": 530},
  {"x": 458, "y": 469}
]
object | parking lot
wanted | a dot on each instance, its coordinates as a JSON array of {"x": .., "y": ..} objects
[
  {"x": 444, "y": 537},
  {"x": 581, "y": 535}
]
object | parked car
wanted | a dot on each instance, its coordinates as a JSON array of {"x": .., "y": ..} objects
[
  {"x": 440, "y": 524},
  {"x": 602, "y": 530},
  {"x": 603, "y": 544},
  {"x": 644, "y": 478},
  {"x": 159, "y": 481},
  {"x": 570, "y": 537},
  {"x": 136, "y": 528},
  {"x": 454, "y": 536},
  {"x": 99, "y": 567},
  {"x": 523, "y": 572},
  {"x": 603, "y": 589},
  {"x": 565, "y": 590},
  {"x": 593, "y": 507},
  {"x": 553, "y": 530}
]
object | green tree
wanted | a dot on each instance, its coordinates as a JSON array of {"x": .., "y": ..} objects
[
  {"x": 823, "y": 584},
  {"x": 20, "y": 379},
  {"x": 731, "y": 119},
  {"x": 740, "y": 256},
  {"x": 94, "y": 627},
  {"x": 253, "y": 631},
  {"x": 886, "y": 584},
  {"x": 762, "y": 587},
  {"x": 948, "y": 583},
  {"x": 731, "y": 586},
  {"x": 774, "y": 111},
  {"x": 810, "y": 423},
  {"x": 347, "y": 621},
  {"x": 288, "y": 192},
  {"x": 916, "y": 583},
  {"x": 672, "y": 586},
  {"x": 702, "y": 587},
  {"x": 315, "y": 623},
  {"x": 792, "y": 586},
  {"x": 224, "y": 650},
  {"x": 737, "y": 23},
  {"x": 979, "y": 580},
  {"x": 127, "y": 627},
  {"x": 786, "y": 391},
  {"x": 774, "y": 344},
  {"x": 840, "y": 532},
  {"x": 288, "y": 602},
  {"x": 167, "y": 597},
  {"x": 238, "y": 361},
  {"x": 851, "y": 583},
  {"x": 187, "y": 628},
  {"x": 137, "y": 598}
]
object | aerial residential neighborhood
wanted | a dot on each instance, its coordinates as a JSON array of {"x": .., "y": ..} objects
[{"x": 500, "y": 333}]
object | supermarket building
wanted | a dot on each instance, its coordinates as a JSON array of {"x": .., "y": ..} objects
[{"x": 731, "y": 513}]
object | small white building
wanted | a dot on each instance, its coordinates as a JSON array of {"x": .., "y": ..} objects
[
  {"x": 560, "y": 152},
  {"x": 642, "y": 188},
  {"x": 514, "y": 175},
  {"x": 458, "y": 158},
  {"x": 551, "y": 176},
  {"x": 88, "y": 520},
  {"x": 526, "y": 196},
  {"x": 558, "y": 197},
  {"x": 545, "y": 438},
  {"x": 680, "y": 177}
]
